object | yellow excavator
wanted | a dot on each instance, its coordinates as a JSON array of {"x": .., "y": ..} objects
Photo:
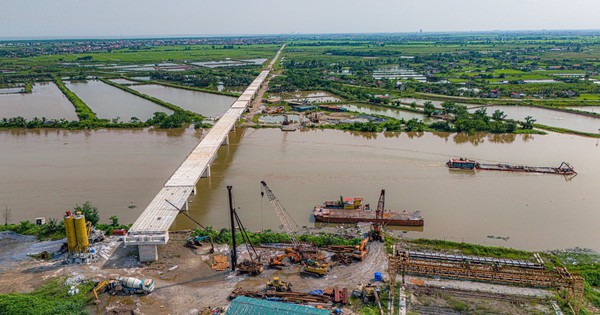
[
  {"x": 361, "y": 250},
  {"x": 277, "y": 261}
]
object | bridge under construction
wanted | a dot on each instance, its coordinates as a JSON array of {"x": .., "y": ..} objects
[{"x": 152, "y": 227}]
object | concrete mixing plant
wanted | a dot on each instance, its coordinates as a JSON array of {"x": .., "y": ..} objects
[{"x": 78, "y": 232}]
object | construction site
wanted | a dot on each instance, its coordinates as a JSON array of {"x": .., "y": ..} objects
[{"x": 203, "y": 271}]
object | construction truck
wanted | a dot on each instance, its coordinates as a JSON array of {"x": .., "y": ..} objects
[
  {"x": 126, "y": 285},
  {"x": 278, "y": 285},
  {"x": 313, "y": 267},
  {"x": 361, "y": 250}
]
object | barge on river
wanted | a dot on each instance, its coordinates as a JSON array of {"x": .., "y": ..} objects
[
  {"x": 351, "y": 210},
  {"x": 563, "y": 169}
]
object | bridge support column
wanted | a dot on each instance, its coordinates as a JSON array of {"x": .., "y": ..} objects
[
  {"x": 148, "y": 253},
  {"x": 226, "y": 141},
  {"x": 207, "y": 171}
]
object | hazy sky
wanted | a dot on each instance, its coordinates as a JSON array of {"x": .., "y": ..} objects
[{"x": 115, "y": 18}]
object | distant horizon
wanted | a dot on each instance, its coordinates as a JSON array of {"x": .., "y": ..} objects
[
  {"x": 113, "y": 19},
  {"x": 198, "y": 36}
]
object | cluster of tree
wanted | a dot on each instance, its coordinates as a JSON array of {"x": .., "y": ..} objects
[
  {"x": 160, "y": 119},
  {"x": 55, "y": 229},
  {"x": 389, "y": 124},
  {"x": 205, "y": 78},
  {"x": 460, "y": 120}
]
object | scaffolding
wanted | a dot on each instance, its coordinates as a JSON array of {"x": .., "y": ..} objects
[{"x": 402, "y": 263}]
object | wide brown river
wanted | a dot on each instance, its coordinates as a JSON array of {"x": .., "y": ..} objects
[{"x": 45, "y": 172}]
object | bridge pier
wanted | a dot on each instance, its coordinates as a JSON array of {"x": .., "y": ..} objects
[
  {"x": 206, "y": 173},
  {"x": 148, "y": 253}
]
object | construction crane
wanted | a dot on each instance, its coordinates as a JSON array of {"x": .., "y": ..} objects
[
  {"x": 252, "y": 266},
  {"x": 284, "y": 218},
  {"x": 376, "y": 233}
]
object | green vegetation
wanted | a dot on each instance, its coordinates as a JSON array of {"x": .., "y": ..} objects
[
  {"x": 268, "y": 237},
  {"x": 83, "y": 111},
  {"x": 588, "y": 264},
  {"x": 472, "y": 249},
  {"x": 28, "y": 88},
  {"x": 50, "y": 299},
  {"x": 564, "y": 130},
  {"x": 54, "y": 229},
  {"x": 88, "y": 119}
]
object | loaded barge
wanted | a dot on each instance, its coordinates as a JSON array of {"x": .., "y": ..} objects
[
  {"x": 351, "y": 210},
  {"x": 563, "y": 169}
]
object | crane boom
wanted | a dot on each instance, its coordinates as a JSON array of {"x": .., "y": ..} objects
[
  {"x": 380, "y": 207},
  {"x": 281, "y": 213}
]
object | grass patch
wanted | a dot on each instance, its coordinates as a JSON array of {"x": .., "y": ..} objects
[
  {"x": 81, "y": 108},
  {"x": 50, "y": 299},
  {"x": 565, "y": 130},
  {"x": 268, "y": 237},
  {"x": 472, "y": 249}
]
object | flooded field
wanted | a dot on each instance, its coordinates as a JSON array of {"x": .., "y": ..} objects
[
  {"x": 389, "y": 112},
  {"x": 310, "y": 96},
  {"x": 45, "y": 100},
  {"x": 207, "y": 104},
  {"x": 123, "y": 81},
  {"x": 231, "y": 63},
  {"x": 549, "y": 117},
  {"x": 109, "y": 102},
  {"x": 13, "y": 90},
  {"x": 117, "y": 167}
]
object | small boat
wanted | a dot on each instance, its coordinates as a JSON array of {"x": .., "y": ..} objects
[{"x": 462, "y": 163}]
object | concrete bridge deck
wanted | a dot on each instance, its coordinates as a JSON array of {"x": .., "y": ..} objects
[{"x": 152, "y": 226}]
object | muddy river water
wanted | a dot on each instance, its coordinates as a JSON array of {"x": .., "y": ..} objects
[{"x": 45, "y": 172}]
